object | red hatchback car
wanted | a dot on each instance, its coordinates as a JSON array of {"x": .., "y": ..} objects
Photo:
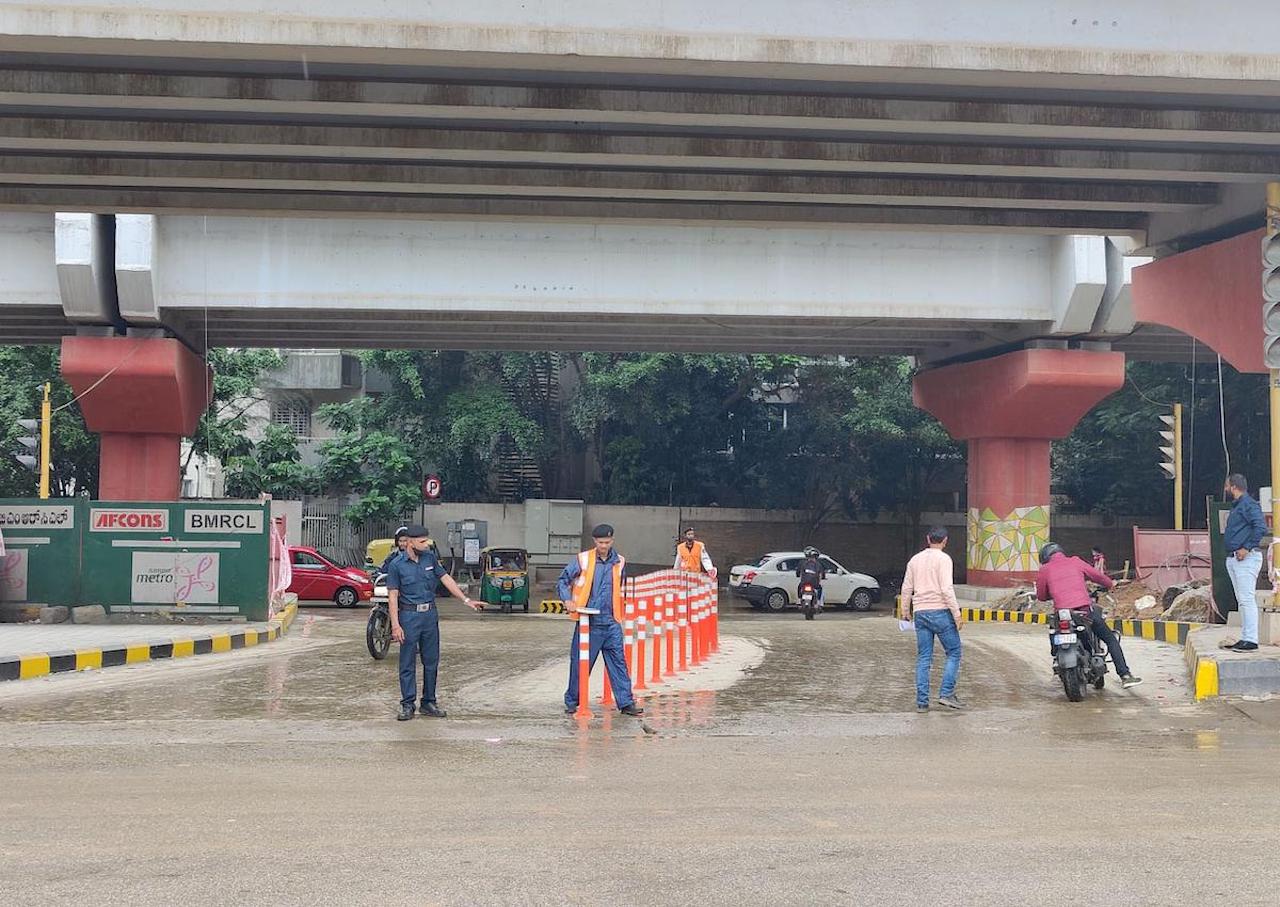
[{"x": 316, "y": 578}]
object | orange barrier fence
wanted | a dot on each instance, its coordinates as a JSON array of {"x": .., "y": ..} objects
[{"x": 668, "y": 605}]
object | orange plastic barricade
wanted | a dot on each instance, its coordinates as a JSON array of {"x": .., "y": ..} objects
[
  {"x": 715, "y": 616},
  {"x": 606, "y": 697},
  {"x": 669, "y": 621},
  {"x": 657, "y": 638},
  {"x": 629, "y": 628},
  {"x": 584, "y": 665},
  {"x": 642, "y": 610},
  {"x": 684, "y": 627},
  {"x": 695, "y": 624}
]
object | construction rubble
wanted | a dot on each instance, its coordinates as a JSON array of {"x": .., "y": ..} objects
[{"x": 1191, "y": 601}]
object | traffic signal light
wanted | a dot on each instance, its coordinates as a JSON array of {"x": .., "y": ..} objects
[
  {"x": 1169, "y": 448},
  {"x": 1271, "y": 299},
  {"x": 1172, "y": 462},
  {"x": 29, "y": 443}
]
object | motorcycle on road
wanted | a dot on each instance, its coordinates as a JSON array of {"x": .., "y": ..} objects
[
  {"x": 810, "y": 602},
  {"x": 1079, "y": 658},
  {"x": 377, "y": 633}
]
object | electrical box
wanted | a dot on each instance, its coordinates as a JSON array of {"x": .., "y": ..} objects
[
  {"x": 552, "y": 530},
  {"x": 467, "y": 538}
]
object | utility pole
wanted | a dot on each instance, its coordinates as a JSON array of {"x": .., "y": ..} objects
[
  {"x": 1271, "y": 300},
  {"x": 46, "y": 415}
]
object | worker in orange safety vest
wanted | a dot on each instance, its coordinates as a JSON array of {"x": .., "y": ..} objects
[
  {"x": 692, "y": 556},
  {"x": 592, "y": 584}
]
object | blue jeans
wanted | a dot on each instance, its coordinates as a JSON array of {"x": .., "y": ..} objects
[
  {"x": 940, "y": 624},
  {"x": 421, "y": 640},
  {"x": 606, "y": 639},
  {"x": 1244, "y": 581}
]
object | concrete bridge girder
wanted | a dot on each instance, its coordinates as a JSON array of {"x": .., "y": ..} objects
[{"x": 307, "y": 282}]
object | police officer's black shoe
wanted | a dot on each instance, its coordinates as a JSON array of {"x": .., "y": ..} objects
[
  {"x": 633, "y": 710},
  {"x": 405, "y": 713},
  {"x": 433, "y": 711}
]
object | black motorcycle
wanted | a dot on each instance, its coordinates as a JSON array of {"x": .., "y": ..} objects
[
  {"x": 1079, "y": 658},
  {"x": 377, "y": 632},
  {"x": 809, "y": 602}
]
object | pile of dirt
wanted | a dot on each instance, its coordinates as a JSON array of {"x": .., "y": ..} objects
[
  {"x": 1131, "y": 601},
  {"x": 1195, "y": 604},
  {"x": 1019, "y": 599}
]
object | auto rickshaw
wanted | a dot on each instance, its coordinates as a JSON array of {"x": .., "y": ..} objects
[
  {"x": 376, "y": 552},
  {"x": 505, "y": 581}
]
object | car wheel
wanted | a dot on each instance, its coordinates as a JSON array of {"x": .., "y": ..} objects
[
  {"x": 777, "y": 600},
  {"x": 861, "y": 600},
  {"x": 346, "y": 597}
]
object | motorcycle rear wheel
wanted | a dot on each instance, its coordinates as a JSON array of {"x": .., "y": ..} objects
[
  {"x": 377, "y": 634},
  {"x": 808, "y": 613},
  {"x": 1073, "y": 684}
]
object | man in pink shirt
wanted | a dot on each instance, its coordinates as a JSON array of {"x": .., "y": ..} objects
[
  {"x": 929, "y": 598},
  {"x": 1062, "y": 580}
]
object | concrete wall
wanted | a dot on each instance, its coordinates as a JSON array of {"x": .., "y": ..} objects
[{"x": 879, "y": 546}]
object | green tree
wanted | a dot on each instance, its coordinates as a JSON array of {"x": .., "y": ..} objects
[
  {"x": 273, "y": 466},
  {"x": 445, "y": 411},
  {"x": 24, "y": 370},
  {"x": 238, "y": 376},
  {"x": 1109, "y": 463}
]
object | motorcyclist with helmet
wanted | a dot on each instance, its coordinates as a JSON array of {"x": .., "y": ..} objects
[
  {"x": 812, "y": 570},
  {"x": 1062, "y": 580},
  {"x": 402, "y": 541}
]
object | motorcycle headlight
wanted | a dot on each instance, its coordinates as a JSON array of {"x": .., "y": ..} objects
[{"x": 518, "y": 582}]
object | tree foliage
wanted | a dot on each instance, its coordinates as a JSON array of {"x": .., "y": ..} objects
[
  {"x": 24, "y": 370},
  {"x": 444, "y": 413},
  {"x": 1109, "y": 464}
]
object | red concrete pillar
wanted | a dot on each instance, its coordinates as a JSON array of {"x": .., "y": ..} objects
[
  {"x": 142, "y": 395},
  {"x": 1008, "y": 408}
]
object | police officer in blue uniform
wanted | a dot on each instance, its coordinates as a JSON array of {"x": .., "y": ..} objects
[{"x": 412, "y": 580}]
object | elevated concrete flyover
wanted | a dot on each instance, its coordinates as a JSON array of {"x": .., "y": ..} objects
[
  {"x": 521, "y": 284},
  {"x": 1068, "y": 116}
]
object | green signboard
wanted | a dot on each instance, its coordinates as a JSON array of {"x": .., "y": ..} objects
[
  {"x": 41, "y": 564},
  {"x": 200, "y": 557},
  {"x": 1224, "y": 595}
]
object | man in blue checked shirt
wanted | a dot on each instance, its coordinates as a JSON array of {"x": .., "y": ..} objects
[{"x": 1243, "y": 542}]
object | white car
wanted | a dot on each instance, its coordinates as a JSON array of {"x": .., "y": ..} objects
[{"x": 771, "y": 583}]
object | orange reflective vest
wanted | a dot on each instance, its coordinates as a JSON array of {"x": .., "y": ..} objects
[
  {"x": 582, "y": 585},
  {"x": 690, "y": 558}
]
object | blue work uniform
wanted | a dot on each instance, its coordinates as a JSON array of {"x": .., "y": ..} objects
[
  {"x": 606, "y": 633},
  {"x": 417, "y": 581}
]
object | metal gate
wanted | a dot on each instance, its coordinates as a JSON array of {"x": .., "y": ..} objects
[{"x": 326, "y": 529}]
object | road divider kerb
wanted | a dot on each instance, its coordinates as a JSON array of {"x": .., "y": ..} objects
[
  {"x": 1174, "y": 632},
  {"x": 40, "y": 664}
]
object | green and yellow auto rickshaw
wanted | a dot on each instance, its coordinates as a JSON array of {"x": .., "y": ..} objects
[{"x": 505, "y": 582}]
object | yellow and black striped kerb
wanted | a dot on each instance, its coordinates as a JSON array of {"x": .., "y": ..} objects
[
  {"x": 1170, "y": 631},
  {"x": 38, "y": 664}
]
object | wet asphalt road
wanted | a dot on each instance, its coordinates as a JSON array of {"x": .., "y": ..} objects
[{"x": 278, "y": 776}]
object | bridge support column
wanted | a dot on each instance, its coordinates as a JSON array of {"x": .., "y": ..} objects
[
  {"x": 1009, "y": 408},
  {"x": 142, "y": 395}
]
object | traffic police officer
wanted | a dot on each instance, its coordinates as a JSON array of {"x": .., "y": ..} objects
[
  {"x": 592, "y": 582},
  {"x": 412, "y": 579}
]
